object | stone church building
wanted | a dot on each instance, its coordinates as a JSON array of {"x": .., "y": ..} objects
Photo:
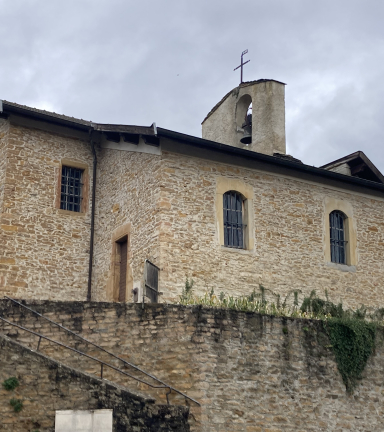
[{"x": 86, "y": 207}]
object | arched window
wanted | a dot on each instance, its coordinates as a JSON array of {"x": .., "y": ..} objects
[
  {"x": 337, "y": 222},
  {"x": 233, "y": 206}
]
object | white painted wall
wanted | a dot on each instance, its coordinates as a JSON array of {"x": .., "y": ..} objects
[{"x": 84, "y": 421}]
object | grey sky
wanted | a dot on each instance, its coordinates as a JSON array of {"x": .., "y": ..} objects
[{"x": 135, "y": 62}]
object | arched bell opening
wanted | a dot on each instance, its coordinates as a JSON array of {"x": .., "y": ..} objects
[
  {"x": 244, "y": 118},
  {"x": 247, "y": 127}
]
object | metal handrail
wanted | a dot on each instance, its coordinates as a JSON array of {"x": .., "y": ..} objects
[
  {"x": 78, "y": 352},
  {"x": 164, "y": 385}
]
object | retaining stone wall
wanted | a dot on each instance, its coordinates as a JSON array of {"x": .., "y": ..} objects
[
  {"x": 251, "y": 373},
  {"x": 46, "y": 386}
]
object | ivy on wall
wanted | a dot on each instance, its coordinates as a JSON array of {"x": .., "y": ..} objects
[
  {"x": 353, "y": 341},
  {"x": 352, "y": 334}
]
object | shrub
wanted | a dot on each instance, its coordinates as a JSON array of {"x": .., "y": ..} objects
[
  {"x": 10, "y": 383},
  {"x": 17, "y": 404}
]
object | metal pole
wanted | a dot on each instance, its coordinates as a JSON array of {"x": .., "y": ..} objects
[
  {"x": 91, "y": 242},
  {"x": 241, "y": 67}
]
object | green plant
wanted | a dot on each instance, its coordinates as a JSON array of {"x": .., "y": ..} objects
[
  {"x": 378, "y": 314},
  {"x": 352, "y": 337},
  {"x": 262, "y": 290},
  {"x": 353, "y": 341},
  {"x": 17, "y": 404},
  {"x": 10, "y": 383},
  {"x": 296, "y": 298},
  {"x": 278, "y": 297},
  {"x": 319, "y": 307},
  {"x": 352, "y": 334},
  {"x": 186, "y": 293}
]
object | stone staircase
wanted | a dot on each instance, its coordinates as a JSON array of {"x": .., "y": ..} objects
[
  {"x": 60, "y": 348},
  {"x": 46, "y": 385}
]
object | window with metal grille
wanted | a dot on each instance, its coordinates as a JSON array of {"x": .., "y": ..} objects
[
  {"x": 337, "y": 234},
  {"x": 233, "y": 204},
  {"x": 71, "y": 189}
]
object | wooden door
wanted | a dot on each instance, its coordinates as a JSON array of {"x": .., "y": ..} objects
[{"x": 123, "y": 270}]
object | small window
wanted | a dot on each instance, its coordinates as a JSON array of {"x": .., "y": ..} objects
[
  {"x": 71, "y": 189},
  {"x": 233, "y": 203},
  {"x": 337, "y": 222}
]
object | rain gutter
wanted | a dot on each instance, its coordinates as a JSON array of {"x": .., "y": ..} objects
[
  {"x": 92, "y": 237},
  {"x": 6, "y": 108}
]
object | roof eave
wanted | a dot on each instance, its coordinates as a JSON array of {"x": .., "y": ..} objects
[
  {"x": 197, "y": 142},
  {"x": 11, "y": 109},
  {"x": 298, "y": 167},
  {"x": 7, "y": 108},
  {"x": 358, "y": 154}
]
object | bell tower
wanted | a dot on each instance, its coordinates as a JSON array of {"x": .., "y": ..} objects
[{"x": 262, "y": 130}]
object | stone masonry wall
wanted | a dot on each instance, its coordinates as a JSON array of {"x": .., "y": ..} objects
[
  {"x": 127, "y": 193},
  {"x": 46, "y": 386},
  {"x": 44, "y": 253},
  {"x": 3, "y": 159},
  {"x": 289, "y": 236},
  {"x": 250, "y": 372},
  {"x": 168, "y": 203}
]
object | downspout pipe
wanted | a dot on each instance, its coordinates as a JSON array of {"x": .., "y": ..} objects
[{"x": 89, "y": 292}]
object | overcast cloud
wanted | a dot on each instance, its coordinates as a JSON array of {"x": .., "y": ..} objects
[{"x": 136, "y": 62}]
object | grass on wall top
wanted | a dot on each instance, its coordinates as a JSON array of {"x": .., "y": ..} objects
[{"x": 352, "y": 333}]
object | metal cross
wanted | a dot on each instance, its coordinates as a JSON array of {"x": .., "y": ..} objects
[{"x": 242, "y": 64}]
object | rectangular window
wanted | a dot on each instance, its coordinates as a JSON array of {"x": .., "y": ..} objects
[{"x": 71, "y": 189}]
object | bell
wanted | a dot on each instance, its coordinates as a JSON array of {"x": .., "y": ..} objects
[
  {"x": 247, "y": 138},
  {"x": 247, "y": 126}
]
